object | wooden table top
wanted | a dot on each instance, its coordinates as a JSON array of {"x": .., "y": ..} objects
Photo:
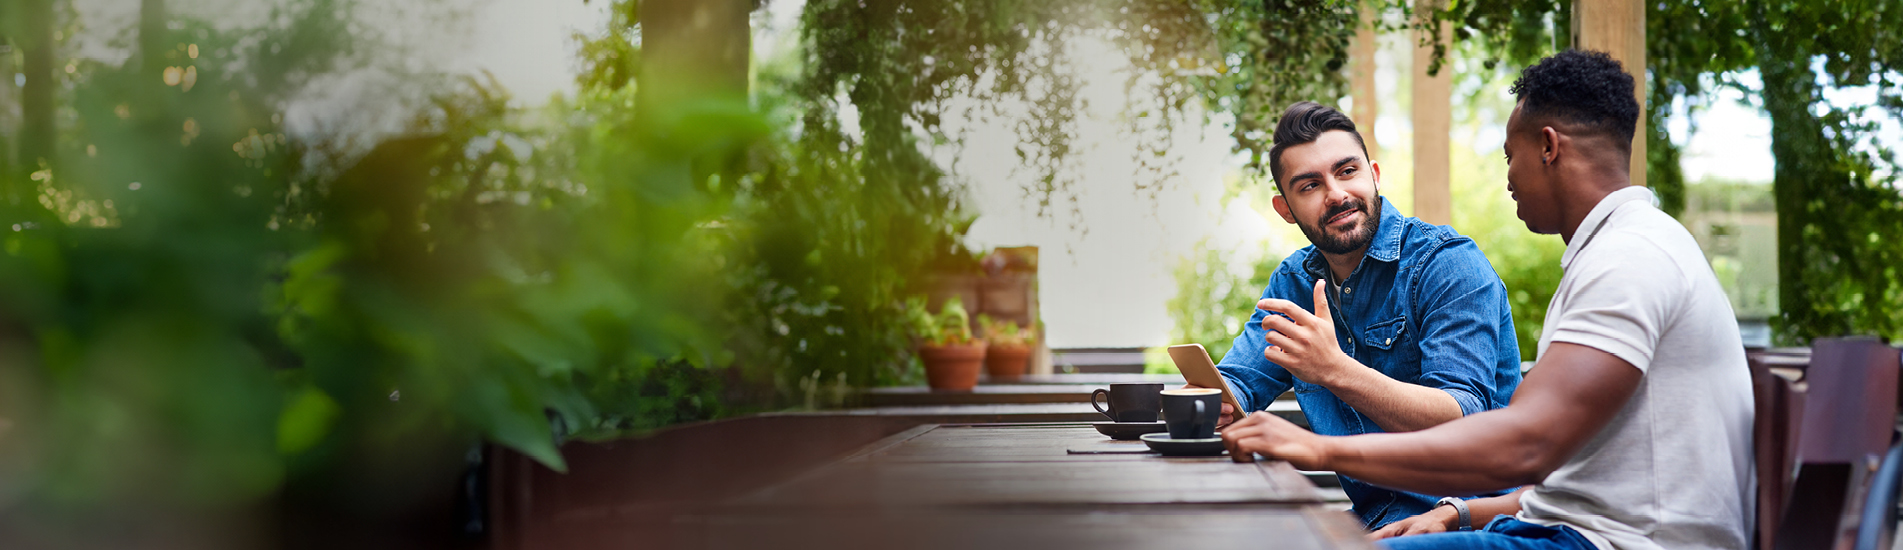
[
  {"x": 1019, "y": 486},
  {"x": 1046, "y": 389},
  {"x": 975, "y": 413}
]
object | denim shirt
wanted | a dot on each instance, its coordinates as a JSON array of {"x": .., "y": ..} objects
[{"x": 1424, "y": 307}]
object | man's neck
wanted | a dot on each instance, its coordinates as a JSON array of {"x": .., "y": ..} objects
[
  {"x": 1581, "y": 199},
  {"x": 1343, "y": 265}
]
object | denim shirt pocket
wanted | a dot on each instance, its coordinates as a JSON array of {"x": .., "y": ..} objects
[{"x": 1384, "y": 335}]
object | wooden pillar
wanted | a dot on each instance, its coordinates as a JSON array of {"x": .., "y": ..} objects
[
  {"x": 1617, "y": 27},
  {"x": 8, "y": 126},
  {"x": 37, "y": 127},
  {"x": 1361, "y": 86},
  {"x": 1433, "y": 118},
  {"x": 693, "y": 49}
]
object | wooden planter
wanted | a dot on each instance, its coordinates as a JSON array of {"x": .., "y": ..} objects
[
  {"x": 954, "y": 367},
  {"x": 1007, "y": 362}
]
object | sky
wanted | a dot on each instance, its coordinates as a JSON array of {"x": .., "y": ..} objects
[{"x": 1105, "y": 275}]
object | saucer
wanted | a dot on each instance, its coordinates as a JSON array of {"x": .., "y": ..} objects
[
  {"x": 1127, "y": 431},
  {"x": 1161, "y": 442}
]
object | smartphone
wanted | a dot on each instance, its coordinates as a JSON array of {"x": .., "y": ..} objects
[{"x": 1198, "y": 370}]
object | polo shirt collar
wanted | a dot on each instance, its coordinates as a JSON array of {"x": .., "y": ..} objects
[{"x": 1598, "y": 216}]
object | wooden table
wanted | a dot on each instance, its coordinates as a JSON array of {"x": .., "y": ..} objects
[
  {"x": 973, "y": 413},
  {"x": 1019, "y": 486}
]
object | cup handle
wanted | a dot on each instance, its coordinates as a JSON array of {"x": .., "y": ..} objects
[
  {"x": 1196, "y": 426},
  {"x": 1100, "y": 408}
]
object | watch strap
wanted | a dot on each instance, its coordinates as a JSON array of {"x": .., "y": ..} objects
[{"x": 1460, "y": 507}]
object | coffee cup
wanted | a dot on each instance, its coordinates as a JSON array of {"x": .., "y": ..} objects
[
  {"x": 1129, "y": 402},
  {"x": 1191, "y": 413}
]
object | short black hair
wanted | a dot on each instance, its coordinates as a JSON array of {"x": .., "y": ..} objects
[
  {"x": 1304, "y": 122},
  {"x": 1587, "y": 90}
]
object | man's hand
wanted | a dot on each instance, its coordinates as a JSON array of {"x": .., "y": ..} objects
[
  {"x": 1302, "y": 342},
  {"x": 1443, "y": 518},
  {"x": 1275, "y": 438},
  {"x": 1228, "y": 411},
  {"x": 1438, "y": 520}
]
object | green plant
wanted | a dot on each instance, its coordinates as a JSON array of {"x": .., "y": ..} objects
[
  {"x": 1003, "y": 333},
  {"x": 951, "y": 326}
]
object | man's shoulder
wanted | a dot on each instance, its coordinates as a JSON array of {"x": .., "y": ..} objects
[
  {"x": 1425, "y": 239},
  {"x": 1425, "y": 244},
  {"x": 1292, "y": 274},
  {"x": 1645, "y": 240}
]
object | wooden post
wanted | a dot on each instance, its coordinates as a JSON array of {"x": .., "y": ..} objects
[
  {"x": 7, "y": 123},
  {"x": 1617, "y": 27},
  {"x": 693, "y": 49},
  {"x": 37, "y": 127},
  {"x": 1362, "y": 89},
  {"x": 1433, "y": 118}
]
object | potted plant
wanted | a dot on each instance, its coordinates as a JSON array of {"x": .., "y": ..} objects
[
  {"x": 1009, "y": 347},
  {"x": 952, "y": 356}
]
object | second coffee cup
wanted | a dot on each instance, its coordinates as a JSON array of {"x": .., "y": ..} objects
[
  {"x": 1130, "y": 402},
  {"x": 1191, "y": 413}
]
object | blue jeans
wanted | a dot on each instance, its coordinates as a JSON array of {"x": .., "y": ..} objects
[{"x": 1503, "y": 533}]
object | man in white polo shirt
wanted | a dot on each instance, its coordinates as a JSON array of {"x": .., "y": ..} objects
[{"x": 1633, "y": 430}]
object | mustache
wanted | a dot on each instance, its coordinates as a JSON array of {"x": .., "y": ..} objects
[{"x": 1350, "y": 206}]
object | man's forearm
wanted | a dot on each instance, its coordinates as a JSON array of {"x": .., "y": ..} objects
[
  {"x": 1394, "y": 405},
  {"x": 1484, "y": 509},
  {"x": 1487, "y": 451}
]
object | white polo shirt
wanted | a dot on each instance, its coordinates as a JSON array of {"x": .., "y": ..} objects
[{"x": 1674, "y": 468}]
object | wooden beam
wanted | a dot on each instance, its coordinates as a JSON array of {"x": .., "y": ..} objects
[
  {"x": 1362, "y": 89},
  {"x": 1617, "y": 27},
  {"x": 1433, "y": 118}
]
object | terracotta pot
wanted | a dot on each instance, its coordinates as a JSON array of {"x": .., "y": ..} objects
[
  {"x": 1007, "y": 362},
  {"x": 952, "y": 368}
]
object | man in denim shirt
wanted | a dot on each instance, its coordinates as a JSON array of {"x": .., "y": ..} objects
[{"x": 1410, "y": 325}]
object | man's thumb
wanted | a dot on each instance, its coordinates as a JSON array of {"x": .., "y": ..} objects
[{"x": 1321, "y": 298}]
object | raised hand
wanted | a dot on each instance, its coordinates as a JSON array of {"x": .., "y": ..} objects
[{"x": 1302, "y": 342}]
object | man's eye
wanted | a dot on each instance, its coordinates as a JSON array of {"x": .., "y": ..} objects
[
  {"x": 1308, "y": 186},
  {"x": 1348, "y": 173}
]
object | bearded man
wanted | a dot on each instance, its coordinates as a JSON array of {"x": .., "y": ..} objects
[{"x": 1385, "y": 323}]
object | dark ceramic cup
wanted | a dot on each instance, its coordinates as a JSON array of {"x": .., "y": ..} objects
[
  {"x": 1191, "y": 413},
  {"x": 1129, "y": 402}
]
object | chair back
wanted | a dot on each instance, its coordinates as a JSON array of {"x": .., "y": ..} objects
[
  {"x": 1774, "y": 431},
  {"x": 1849, "y": 415}
]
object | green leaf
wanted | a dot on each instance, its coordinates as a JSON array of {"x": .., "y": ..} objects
[{"x": 307, "y": 418}]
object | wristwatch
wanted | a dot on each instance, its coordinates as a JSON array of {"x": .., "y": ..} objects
[{"x": 1460, "y": 506}]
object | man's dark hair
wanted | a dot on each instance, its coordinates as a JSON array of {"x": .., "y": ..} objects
[
  {"x": 1585, "y": 90},
  {"x": 1302, "y": 123}
]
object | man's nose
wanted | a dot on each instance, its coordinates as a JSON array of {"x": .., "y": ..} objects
[{"x": 1337, "y": 195}]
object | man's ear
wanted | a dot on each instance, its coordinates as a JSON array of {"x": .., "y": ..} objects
[
  {"x": 1549, "y": 145},
  {"x": 1376, "y": 168},
  {"x": 1281, "y": 207}
]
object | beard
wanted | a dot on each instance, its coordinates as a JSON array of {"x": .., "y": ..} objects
[{"x": 1355, "y": 238}]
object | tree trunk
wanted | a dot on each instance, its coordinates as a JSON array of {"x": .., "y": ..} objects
[{"x": 1811, "y": 260}]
